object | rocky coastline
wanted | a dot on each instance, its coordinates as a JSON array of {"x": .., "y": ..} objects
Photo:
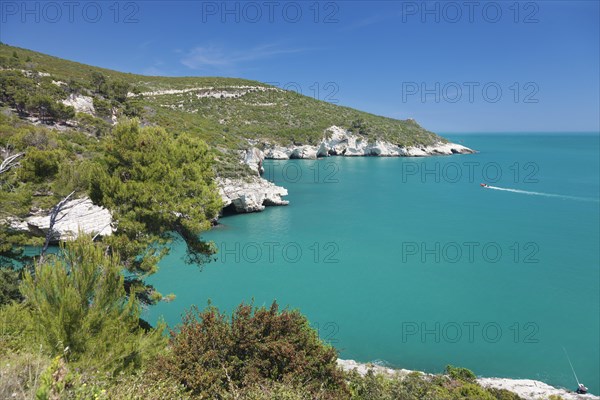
[
  {"x": 241, "y": 194},
  {"x": 526, "y": 388},
  {"x": 254, "y": 195}
]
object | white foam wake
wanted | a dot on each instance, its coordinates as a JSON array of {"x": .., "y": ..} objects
[{"x": 558, "y": 196}]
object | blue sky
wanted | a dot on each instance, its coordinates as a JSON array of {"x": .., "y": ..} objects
[{"x": 453, "y": 66}]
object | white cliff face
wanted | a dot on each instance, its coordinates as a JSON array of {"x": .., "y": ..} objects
[
  {"x": 254, "y": 194},
  {"x": 253, "y": 158},
  {"x": 526, "y": 388},
  {"x": 340, "y": 142},
  {"x": 79, "y": 215},
  {"x": 250, "y": 195}
]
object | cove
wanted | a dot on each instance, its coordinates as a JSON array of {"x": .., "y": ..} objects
[{"x": 411, "y": 263}]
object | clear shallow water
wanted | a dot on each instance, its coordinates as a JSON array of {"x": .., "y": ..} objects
[{"x": 419, "y": 271}]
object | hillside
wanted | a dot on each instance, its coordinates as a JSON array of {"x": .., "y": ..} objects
[{"x": 222, "y": 111}]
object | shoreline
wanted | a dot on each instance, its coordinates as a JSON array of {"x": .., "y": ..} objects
[
  {"x": 528, "y": 389},
  {"x": 254, "y": 193}
]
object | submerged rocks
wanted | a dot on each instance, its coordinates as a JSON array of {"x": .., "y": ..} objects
[{"x": 250, "y": 194}]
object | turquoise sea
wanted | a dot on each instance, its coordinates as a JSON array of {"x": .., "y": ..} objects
[{"x": 411, "y": 263}]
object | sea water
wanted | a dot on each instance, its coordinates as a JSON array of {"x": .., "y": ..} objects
[{"x": 409, "y": 262}]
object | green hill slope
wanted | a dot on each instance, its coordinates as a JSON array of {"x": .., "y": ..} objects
[{"x": 225, "y": 112}]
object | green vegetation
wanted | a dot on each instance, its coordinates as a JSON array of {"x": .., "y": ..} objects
[
  {"x": 154, "y": 173},
  {"x": 70, "y": 324},
  {"x": 264, "y": 113},
  {"x": 214, "y": 355},
  {"x": 158, "y": 188},
  {"x": 77, "y": 335},
  {"x": 82, "y": 313}
]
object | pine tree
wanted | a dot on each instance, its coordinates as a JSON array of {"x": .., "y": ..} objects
[
  {"x": 156, "y": 186},
  {"x": 78, "y": 300}
]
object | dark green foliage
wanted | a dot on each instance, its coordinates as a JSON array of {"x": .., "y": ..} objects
[
  {"x": 417, "y": 386},
  {"x": 15, "y": 89},
  {"x": 156, "y": 185},
  {"x": 9, "y": 285},
  {"x": 41, "y": 99},
  {"x": 359, "y": 127},
  {"x": 462, "y": 374},
  {"x": 92, "y": 125},
  {"x": 98, "y": 81},
  {"x": 78, "y": 301},
  {"x": 102, "y": 107},
  {"x": 40, "y": 165},
  {"x": 118, "y": 90},
  {"x": 41, "y": 105},
  {"x": 212, "y": 354}
]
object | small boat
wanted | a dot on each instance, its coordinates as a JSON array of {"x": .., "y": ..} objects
[
  {"x": 485, "y": 185},
  {"x": 581, "y": 389}
]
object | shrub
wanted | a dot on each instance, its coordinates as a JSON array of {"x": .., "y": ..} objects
[
  {"x": 461, "y": 374},
  {"x": 78, "y": 302},
  {"x": 9, "y": 285},
  {"x": 212, "y": 355},
  {"x": 102, "y": 107},
  {"x": 40, "y": 165}
]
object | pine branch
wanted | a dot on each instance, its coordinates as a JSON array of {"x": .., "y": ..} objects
[
  {"x": 10, "y": 162},
  {"x": 53, "y": 215}
]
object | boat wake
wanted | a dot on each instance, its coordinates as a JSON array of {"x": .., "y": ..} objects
[{"x": 558, "y": 196}]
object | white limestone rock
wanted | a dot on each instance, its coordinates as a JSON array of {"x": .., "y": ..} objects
[
  {"x": 80, "y": 215},
  {"x": 250, "y": 195},
  {"x": 363, "y": 368},
  {"x": 532, "y": 390},
  {"x": 253, "y": 158},
  {"x": 526, "y": 388},
  {"x": 304, "y": 152},
  {"x": 337, "y": 141},
  {"x": 80, "y": 103},
  {"x": 277, "y": 153}
]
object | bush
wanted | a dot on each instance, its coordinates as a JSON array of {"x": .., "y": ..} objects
[
  {"x": 461, "y": 374},
  {"x": 9, "y": 285},
  {"x": 102, "y": 107},
  {"x": 212, "y": 355},
  {"x": 78, "y": 301},
  {"x": 40, "y": 165}
]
